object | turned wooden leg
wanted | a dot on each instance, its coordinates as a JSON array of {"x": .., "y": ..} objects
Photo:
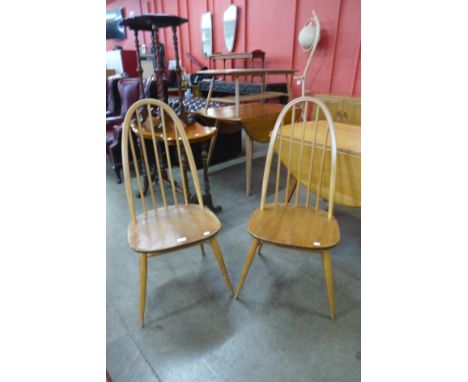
[
  {"x": 207, "y": 198},
  {"x": 202, "y": 249},
  {"x": 219, "y": 258},
  {"x": 143, "y": 277},
  {"x": 328, "y": 270},
  {"x": 247, "y": 264},
  {"x": 185, "y": 174},
  {"x": 248, "y": 163}
]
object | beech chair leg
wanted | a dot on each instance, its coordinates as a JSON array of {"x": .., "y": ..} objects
[
  {"x": 247, "y": 264},
  {"x": 328, "y": 270},
  {"x": 202, "y": 249},
  {"x": 143, "y": 277},
  {"x": 219, "y": 258}
]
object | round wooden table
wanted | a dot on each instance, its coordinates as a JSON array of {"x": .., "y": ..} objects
[
  {"x": 348, "y": 160},
  {"x": 196, "y": 133},
  {"x": 257, "y": 119}
]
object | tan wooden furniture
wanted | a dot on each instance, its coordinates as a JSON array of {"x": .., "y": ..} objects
[
  {"x": 348, "y": 163},
  {"x": 166, "y": 223},
  {"x": 236, "y": 74},
  {"x": 342, "y": 109},
  {"x": 292, "y": 224},
  {"x": 346, "y": 113},
  {"x": 257, "y": 119},
  {"x": 249, "y": 97},
  {"x": 254, "y": 55}
]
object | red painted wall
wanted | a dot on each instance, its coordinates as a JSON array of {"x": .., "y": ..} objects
[{"x": 272, "y": 26}]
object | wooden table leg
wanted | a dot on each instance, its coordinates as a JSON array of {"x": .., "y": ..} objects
[
  {"x": 185, "y": 165},
  {"x": 207, "y": 199},
  {"x": 248, "y": 163}
]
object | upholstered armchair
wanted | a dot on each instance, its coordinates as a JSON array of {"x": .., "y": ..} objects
[
  {"x": 129, "y": 93},
  {"x": 112, "y": 95}
]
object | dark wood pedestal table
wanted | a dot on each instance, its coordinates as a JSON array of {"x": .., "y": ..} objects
[
  {"x": 195, "y": 132},
  {"x": 152, "y": 23}
]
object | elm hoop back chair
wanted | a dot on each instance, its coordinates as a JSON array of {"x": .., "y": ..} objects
[
  {"x": 165, "y": 223},
  {"x": 302, "y": 147}
]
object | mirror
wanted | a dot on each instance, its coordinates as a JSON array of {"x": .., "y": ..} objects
[
  {"x": 230, "y": 20},
  {"x": 206, "y": 31}
]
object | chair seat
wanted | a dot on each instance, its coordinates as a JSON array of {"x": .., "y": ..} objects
[
  {"x": 172, "y": 227},
  {"x": 294, "y": 226}
]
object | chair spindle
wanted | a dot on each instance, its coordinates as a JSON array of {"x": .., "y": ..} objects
[
  {"x": 291, "y": 136},
  {"x": 312, "y": 154},
  {"x": 145, "y": 158},
  {"x": 168, "y": 157},
  {"x": 137, "y": 172},
  {"x": 278, "y": 164},
  {"x": 157, "y": 157},
  {"x": 181, "y": 166},
  {"x": 322, "y": 162},
  {"x": 301, "y": 150}
]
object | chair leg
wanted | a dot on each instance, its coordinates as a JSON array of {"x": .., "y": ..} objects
[
  {"x": 247, "y": 264},
  {"x": 328, "y": 270},
  {"x": 219, "y": 258},
  {"x": 143, "y": 277},
  {"x": 202, "y": 249}
]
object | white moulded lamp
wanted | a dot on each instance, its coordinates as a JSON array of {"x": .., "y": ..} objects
[{"x": 308, "y": 39}]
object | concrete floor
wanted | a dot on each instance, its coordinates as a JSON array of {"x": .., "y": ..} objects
[{"x": 278, "y": 330}]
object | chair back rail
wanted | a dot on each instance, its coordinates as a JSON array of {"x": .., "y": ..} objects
[
  {"x": 299, "y": 150},
  {"x": 158, "y": 129}
]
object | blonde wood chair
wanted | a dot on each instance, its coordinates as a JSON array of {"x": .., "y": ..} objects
[
  {"x": 165, "y": 223},
  {"x": 298, "y": 223}
]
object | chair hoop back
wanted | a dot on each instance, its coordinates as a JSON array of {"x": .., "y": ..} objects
[
  {"x": 303, "y": 147},
  {"x": 161, "y": 140}
]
